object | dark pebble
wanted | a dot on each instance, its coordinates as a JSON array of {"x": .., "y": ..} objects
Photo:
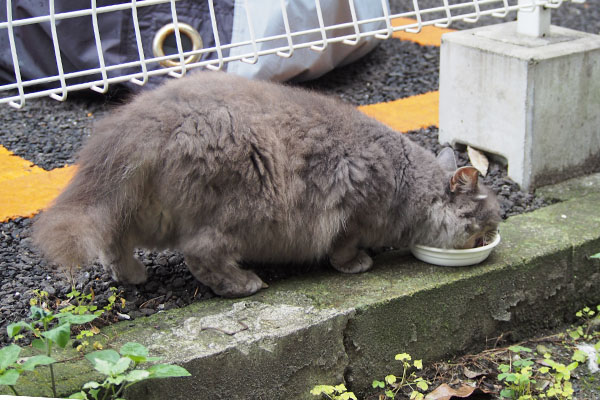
[
  {"x": 175, "y": 259},
  {"x": 135, "y": 314},
  {"x": 162, "y": 261},
  {"x": 147, "y": 311},
  {"x": 151, "y": 286},
  {"x": 178, "y": 283},
  {"x": 49, "y": 289}
]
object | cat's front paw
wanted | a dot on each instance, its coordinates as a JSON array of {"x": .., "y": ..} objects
[
  {"x": 361, "y": 263},
  {"x": 244, "y": 283}
]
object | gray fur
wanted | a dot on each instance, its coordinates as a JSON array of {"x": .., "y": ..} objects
[{"x": 225, "y": 169}]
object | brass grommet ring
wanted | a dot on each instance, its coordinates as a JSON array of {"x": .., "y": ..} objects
[{"x": 169, "y": 29}]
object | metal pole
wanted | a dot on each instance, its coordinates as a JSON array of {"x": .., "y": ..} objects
[{"x": 533, "y": 21}]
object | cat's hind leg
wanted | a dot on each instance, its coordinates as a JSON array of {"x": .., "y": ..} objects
[
  {"x": 212, "y": 259},
  {"x": 346, "y": 257},
  {"x": 118, "y": 259}
]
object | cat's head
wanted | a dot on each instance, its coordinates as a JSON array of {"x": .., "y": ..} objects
[{"x": 472, "y": 211}]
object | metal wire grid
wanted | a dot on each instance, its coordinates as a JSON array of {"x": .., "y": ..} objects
[{"x": 441, "y": 16}]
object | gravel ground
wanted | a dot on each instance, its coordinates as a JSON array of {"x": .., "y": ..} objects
[
  {"x": 49, "y": 133},
  {"x": 395, "y": 69}
]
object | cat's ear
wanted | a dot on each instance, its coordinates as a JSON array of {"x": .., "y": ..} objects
[
  {"x": 446, "y": 159},
  {"x": 464, "y": 180}
]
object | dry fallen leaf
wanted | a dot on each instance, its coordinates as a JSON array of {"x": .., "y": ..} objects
[
  {"x": 455, "y": 382},
  {"x": 445, "y": 392},
  {"x": 472, "y": 374},
  {"x": 478, "y": 160}
]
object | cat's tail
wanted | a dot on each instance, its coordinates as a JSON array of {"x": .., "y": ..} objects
[
  {"x": 87, "y": 220},
  {"x": 68, "y": 235},
  {"x": 92, "y": 214}
]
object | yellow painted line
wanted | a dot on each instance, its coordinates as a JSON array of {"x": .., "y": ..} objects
[
  {"x": 12, "y": 166},
  {"x": 429, "y": 35},
  {"x": 406, "y": 114},
  {"x": 27, "y": 189},
  {"x": 414, "y": 112}
]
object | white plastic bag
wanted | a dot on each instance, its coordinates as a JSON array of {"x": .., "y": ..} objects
[{"x": 267, "y": 20}]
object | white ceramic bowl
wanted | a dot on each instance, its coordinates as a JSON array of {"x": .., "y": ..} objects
[{"x": 454, "y": 257}]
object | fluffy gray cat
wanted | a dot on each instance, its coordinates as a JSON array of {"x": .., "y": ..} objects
[{"x": 228, "y": 170}]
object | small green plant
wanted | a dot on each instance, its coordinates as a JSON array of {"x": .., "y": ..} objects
[
  {"x": 561, "y": 387},
  {"x": 80, "y": 304},
  {"x": 49, "y": 330},
  {"x": 11, "y": 369},
  {"x": 518, "y": 375},
  {"x": 391, "y": 384},
  {"x": 583, "y": 331},
  {"x": 121, "y": 371},
  {"x": 39, "y": 298},
  {"x": 338, "y": 392}
]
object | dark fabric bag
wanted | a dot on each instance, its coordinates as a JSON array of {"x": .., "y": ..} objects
[{"x": 77, "y": 44}]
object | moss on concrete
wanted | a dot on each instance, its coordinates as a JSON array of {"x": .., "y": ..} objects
[{"x": 571, "y": 189}]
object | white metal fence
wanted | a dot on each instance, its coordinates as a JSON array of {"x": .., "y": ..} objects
[{"x": 215, "y": 56}]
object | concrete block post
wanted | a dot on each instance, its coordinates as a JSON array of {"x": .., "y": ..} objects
[{"x": 533, "y": 100}]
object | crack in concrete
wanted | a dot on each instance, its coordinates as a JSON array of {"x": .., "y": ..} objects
[{"x": 351, "y": 349}]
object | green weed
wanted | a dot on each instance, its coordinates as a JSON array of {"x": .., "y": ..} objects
[
  {"x": 389, "y": 386},
  {"x": 51, "y": 329},
  {"x": 121, "y": 371}
]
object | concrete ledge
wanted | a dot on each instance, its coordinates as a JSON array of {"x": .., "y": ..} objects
[{"x": 329, "y": 327}]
